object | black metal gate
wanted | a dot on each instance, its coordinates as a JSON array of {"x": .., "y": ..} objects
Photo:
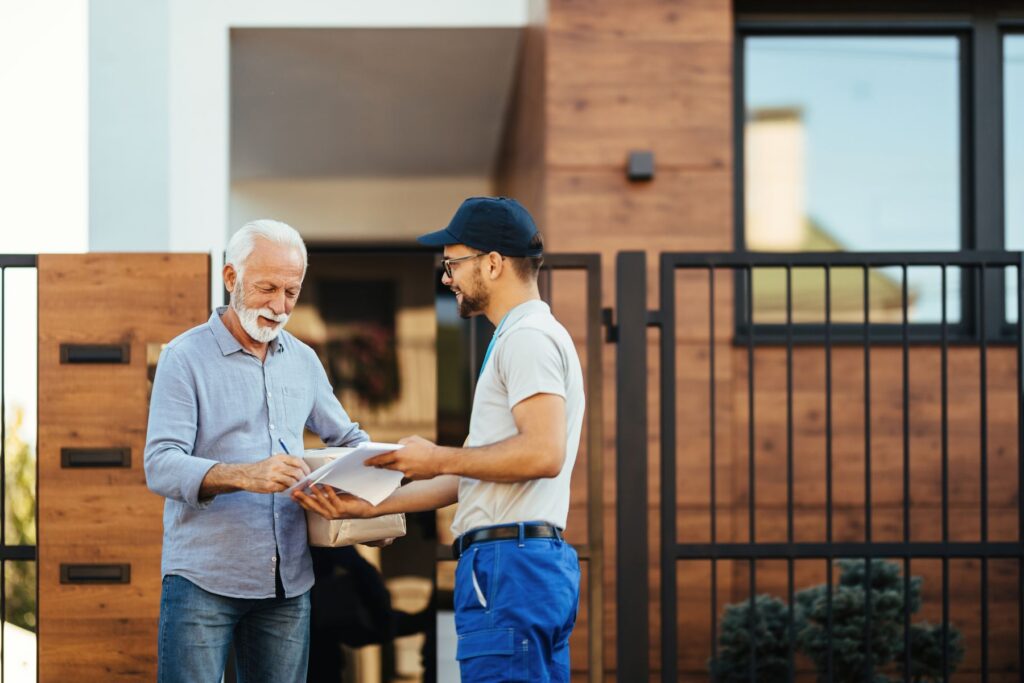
[{"x": 977, "y": 335}]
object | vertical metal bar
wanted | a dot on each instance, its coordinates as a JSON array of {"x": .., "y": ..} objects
[
  {"x": 751, "y": 495},
  {"x": 544, "y": 284},
  {"x": 751, "y": 447},
  {"x": 789, "y": 403},
  {"x": 1020, "y": 460},
  {"x": 595, "y": 472},
  {"x": 669, "y": 540},
  {"x": 986, "y": 147},
  {"x": 632, "y": 591},
  {"x": 713, "y": 479},
  {"x": 945, "y": 478},
  {"x": 945, "y": 620},
  {"x": 791, "y": 626},
  {"x": 714, "y": 620},
  {"x": 944, "y": 417},
  {"x": 712, "y": 409},
  {"x": 828, "y": 465},
  {"x": 983, "y": 369},
  {"x": 868, "y": 666},
  {"x": 905, "y": 337}
]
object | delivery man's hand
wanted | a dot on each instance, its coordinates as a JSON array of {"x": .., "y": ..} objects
[{"x": 417, "y": 460}]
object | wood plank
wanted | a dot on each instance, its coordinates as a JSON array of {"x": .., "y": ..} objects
[
  {"x": 642, "y": 75},
  {"x": 104, "y": 632}
]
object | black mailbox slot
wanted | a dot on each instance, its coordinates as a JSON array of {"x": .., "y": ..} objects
[
  {"x": 95, "y": 573},
  {"x": 95, "y": 457},
  {"x": 94, "y": 353}
]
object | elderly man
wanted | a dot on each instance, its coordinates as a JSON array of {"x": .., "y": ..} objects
[
  {"x": 230, "y": 400},
  {"x": 517, "y": 581}
]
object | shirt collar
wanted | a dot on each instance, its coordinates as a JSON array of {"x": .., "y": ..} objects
[
  {"x": 227, "y": 342},
  {"x": 521, "y": 311}
]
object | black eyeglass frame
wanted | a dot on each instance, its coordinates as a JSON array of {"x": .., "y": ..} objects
[{"x": 447, "y": 262}]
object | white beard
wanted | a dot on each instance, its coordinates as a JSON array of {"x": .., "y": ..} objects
[{"x": 249, "y": 317}]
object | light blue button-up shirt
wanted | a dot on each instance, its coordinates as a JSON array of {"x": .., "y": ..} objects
[{"x": 213, "y": 402}]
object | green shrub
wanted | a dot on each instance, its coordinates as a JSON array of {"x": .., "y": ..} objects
[{"x": 850, "y": 616}]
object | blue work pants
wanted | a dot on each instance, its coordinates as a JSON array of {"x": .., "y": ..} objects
[{"x": 515, "y": 607}]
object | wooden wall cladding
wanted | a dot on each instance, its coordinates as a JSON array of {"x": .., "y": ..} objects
[
  {"x": 521, "y": 169},
  {"x": 658, "y": 75},
  {"x": 99, "y": 515},
  {"x": 639, "y": 75}
]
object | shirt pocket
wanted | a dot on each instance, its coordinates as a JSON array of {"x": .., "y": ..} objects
[{"x": 298, "y": 404}]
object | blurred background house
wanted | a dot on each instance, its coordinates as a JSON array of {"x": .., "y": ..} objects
[{"x": 136, "y": 136}]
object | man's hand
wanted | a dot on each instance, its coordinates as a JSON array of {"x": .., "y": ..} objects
[
  {"x": 330, "y": 504},
  {"x": 420, "y": 459},
  {"x": 272, "y": 475}
]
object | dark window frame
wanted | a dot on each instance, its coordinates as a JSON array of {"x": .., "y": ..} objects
[{"x": 980, "y": 33}]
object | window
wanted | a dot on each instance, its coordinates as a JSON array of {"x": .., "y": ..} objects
[
  {"x": 851, "y": 143},
  {"x": 880, "y": 132}
]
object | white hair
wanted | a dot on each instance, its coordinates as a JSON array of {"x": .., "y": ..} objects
[{"x": 242, "y": 243}]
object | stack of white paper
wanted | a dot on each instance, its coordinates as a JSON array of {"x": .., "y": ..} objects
[{"x": 346, "y": 471}]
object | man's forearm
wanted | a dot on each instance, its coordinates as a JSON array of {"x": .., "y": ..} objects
[
  {"x": 421, "y": 496},
  {"x": 222, "y": 478}
]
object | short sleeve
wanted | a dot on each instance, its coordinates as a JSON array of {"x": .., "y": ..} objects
[{"x": 530, "y": 362}]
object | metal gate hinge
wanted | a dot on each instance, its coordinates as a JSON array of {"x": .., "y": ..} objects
[{"x": 611, "y": 332}]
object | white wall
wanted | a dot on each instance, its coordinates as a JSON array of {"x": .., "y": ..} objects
[
  {"x": 354, "y": 210},
  {"x": 128, "y": 125},
  {"x": 43, "y": 126}
]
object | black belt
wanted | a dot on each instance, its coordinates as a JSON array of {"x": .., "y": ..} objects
[{"x": 504, "y": 532}]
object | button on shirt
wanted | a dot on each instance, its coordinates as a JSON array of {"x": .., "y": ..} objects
[
  {"x": 213, "y": 402},
  {"x": 532, "y": 354}
]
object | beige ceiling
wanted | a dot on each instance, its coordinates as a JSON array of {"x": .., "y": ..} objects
[{"x": 369, "y": 102}]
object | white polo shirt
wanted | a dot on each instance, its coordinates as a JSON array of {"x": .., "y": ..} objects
[{"x": 532, "y": 354}]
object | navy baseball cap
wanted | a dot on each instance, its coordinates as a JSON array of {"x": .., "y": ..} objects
[{"x": 496, "y": 224}]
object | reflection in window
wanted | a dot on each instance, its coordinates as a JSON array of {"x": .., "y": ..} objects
[
  {"x": 852, "y": 143},
  {"x": 1013, "y": 126}
]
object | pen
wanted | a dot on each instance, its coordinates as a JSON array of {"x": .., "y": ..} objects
[{"x": 283, "y": 447}]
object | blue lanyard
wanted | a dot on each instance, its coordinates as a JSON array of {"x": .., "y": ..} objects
[{"x": 490, "y": 347}]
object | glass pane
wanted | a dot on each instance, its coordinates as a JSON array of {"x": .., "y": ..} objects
[
  {"x": 1013, "y": 123},
  {"x": 19, "y": 386},
  {"x": 19, "y": 621},
  {"x": 853, "y": 143}
]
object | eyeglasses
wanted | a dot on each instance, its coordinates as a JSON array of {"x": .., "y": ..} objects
[{"x": 447, "y": 263}]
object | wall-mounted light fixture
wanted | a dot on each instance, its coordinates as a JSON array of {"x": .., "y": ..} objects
[{"x": 640, "y": 166}]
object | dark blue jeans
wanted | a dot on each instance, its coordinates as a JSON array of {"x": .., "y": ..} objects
[
  {"x": 197, "y": 627},
  {"x": 515, "y": 606}
]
